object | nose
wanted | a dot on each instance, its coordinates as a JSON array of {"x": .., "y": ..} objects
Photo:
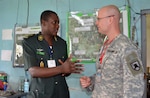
[{"x": 57, "y": 26}]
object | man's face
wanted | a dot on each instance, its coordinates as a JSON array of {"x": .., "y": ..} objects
[
  {"x": 51, "y": 26},
  {"x": 102, "y": 21}
]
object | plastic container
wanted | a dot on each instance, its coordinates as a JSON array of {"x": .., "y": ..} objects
[{"x": 26, "y": 85}]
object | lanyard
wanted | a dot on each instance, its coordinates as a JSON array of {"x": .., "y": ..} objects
[
  {"x": 50, "y": 52},
  {"x": 104, "y": 49},
  {"x": 102, "y": 54}
]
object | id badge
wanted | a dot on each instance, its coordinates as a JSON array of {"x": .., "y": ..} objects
[{"x": 51, "y": 63}]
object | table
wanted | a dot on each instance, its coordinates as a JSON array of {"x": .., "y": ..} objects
[{"x": 16, "y": 95}]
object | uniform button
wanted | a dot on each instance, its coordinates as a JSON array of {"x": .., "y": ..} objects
[{"x": 56, "y": 83}]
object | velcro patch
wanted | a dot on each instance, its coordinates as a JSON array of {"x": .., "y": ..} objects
[{"x": 133, "y": 63}]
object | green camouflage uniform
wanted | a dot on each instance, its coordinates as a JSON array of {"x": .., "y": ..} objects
[
  {"x": 121, "y": 74},
  {"x": 36, "y": 49}
]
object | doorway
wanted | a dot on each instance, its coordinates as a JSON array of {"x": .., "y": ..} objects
[{"x": 145, "y": 46}]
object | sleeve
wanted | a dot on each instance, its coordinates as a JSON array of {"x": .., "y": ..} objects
[
  {"x": 29, "y": 55},
  {"x": 66, "y": 51},
  {"x": 133, "y": 76},
  {"x": 90, "y": 88},
  {"x": 66, "y": 56}
]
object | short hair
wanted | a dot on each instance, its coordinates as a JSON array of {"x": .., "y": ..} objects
[{"x": 46, "y": 14}]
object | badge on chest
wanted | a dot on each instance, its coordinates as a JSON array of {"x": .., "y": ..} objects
[{"x": 51, "y": 63}]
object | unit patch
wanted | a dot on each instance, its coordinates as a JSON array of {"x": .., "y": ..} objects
[{"x": 133, "y": 63}]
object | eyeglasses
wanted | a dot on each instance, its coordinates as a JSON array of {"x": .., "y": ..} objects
[{"x": 104, "y": 17}]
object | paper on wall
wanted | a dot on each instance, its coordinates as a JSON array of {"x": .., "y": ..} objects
[
  {"x": 7, "y": 34},
  {"x": 6, "y": 55}
]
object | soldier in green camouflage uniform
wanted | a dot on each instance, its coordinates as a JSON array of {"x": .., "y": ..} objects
[
  {"x": 46, "y": 59},
  {"x": 120, "y": 71}
]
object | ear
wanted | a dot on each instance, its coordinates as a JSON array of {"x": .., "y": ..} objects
[
  {"x": 111, "y": 19},
  {"x": 43, "y": 23}
]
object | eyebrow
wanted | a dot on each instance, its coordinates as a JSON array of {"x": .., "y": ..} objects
[{"x": 105, "y": 17}]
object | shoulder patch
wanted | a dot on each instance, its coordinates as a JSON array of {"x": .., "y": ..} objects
[
  {"x": 133, "y": 63},
  {"x": 40, "y": 37}
]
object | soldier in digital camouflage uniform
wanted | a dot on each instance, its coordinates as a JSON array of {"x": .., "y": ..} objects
[{"x": 120, "y": 72}]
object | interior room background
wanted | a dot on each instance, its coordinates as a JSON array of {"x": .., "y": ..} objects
[{"x": 22, "y": 12}]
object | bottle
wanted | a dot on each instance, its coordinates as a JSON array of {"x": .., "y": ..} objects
[
  {"x": 5, "y": 86},
  {"x": 26, "y": 85}
]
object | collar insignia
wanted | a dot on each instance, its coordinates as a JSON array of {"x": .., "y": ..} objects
[{"x": 55, "y": 38}]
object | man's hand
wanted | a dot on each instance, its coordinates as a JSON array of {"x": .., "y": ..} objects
[
  {"x": 71, "y": 66},
  {"x": 85, "y": 81}
]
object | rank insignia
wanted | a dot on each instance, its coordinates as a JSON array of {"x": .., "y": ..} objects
[
  {"x": 40, "y": 51},
  {"x": 40, "y": 37}
]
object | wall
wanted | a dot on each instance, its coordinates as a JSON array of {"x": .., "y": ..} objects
[{"x": 15, "y": 12}]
